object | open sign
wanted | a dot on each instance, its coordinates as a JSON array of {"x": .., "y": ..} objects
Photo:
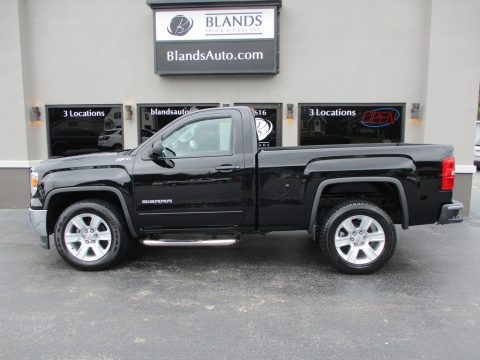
[{"x": 380, "y": 117}]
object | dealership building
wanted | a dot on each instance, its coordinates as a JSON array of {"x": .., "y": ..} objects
[{"x": 86, "y": 76}]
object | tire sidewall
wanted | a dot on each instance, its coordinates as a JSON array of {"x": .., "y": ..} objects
[
  {"x": 388, "y": 228},
  {"x": 106, "y": 215}
]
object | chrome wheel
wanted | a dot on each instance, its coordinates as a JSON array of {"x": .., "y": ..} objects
[
  {"x": 359, "y": 239},
  {"x": 87, "y": 237}
]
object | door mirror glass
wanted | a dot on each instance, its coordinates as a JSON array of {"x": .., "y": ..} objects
[{"x": 157, "y": 149}]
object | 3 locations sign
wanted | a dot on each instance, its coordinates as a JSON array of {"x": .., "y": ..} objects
[
  {"x": 351, "y": 123},
  {"x": 216, "y": 41}
]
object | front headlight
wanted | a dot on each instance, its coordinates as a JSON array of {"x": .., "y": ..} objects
[{"x": 33, "y": 182}]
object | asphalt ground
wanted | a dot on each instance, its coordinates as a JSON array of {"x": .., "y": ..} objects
[{"x": 269, "y": 297}]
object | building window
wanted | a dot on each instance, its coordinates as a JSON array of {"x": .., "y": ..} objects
[
  {"x": 153, "y": 117},
  {"x": 74, "y": 130},
  {"x": 322, "y": 124},
  {"x": 268, "y": 119}
]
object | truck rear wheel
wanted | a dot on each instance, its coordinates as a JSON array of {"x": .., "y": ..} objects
[
  {"x": 357, "y": 237},
  {"x": 91, "y": 235}
]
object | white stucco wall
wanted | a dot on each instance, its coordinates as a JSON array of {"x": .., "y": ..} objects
[
  {"x": 330, "y": 51},
  {"x": 12, "y": 106},
  {"x": 94, "y": 52},
  {"x": 453, "y": 76}
]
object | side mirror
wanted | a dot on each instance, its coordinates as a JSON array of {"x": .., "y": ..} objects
[{"x": 157, "y": 149}]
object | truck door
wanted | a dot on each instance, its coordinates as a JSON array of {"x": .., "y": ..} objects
[{"x": 198, "y": 181}]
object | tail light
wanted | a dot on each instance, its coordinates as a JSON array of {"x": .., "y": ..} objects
[
  {"x": 448, "y": 173},
  {"x": 105, "y": 137}
]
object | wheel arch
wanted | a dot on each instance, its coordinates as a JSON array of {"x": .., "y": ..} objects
[
  {"x": 402, "y": 199},
  {"x": 57, "y": 200}
]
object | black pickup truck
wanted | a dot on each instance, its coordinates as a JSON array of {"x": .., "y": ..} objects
[{"x": 202, "y": 181}]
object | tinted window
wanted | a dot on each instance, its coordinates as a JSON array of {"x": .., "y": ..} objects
[
  {"x": 75, "y": 130},
  {"x": 268, "y": 121},
  {"x": 351, "y": 124}
]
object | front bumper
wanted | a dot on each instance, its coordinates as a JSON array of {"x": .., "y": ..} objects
[
  {"x": 38, "y": 220},
  {"x": 450, "y": 213}
]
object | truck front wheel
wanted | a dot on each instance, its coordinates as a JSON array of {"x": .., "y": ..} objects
[
  {"x": 357, "y": 237},
  {"x": 91, "y": 235}
]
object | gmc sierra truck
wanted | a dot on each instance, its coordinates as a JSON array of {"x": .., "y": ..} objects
[{"x": 203, "y": 181}]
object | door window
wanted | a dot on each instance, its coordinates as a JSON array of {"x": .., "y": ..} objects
[{"x": 211, "y": 137}]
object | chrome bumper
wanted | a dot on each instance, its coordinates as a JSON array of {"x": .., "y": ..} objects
[
  {"x": 38, "y": 220},
  {"x": 450, "y": 213}
]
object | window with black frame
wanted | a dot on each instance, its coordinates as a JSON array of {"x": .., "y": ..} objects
[
  {"x": 268, "y": 120},
  {"x": 322, "y": 124},
  {"x": 153, "y": 117},
  {"x": 75, "y": 130}
]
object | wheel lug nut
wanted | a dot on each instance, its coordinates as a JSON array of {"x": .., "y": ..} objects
[
  {"x": 355, "y": 244},
  {"x": 91, "y": 230},
  {"x": 354, "y": 233},
  {"x": 362, "y": 243},
  {"x": 365, "y": 237},
  {"x": 93, "y": 241},
  {"x": 95, "y": 235},
  {"x": 351, "y": 239},
  {"x": 87, "y": 241}
]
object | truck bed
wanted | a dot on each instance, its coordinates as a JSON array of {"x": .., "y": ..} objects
[{"x": 289, "y": 177}]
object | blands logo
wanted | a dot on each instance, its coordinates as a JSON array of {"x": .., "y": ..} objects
[
  {"x": 180, "y": 25},
  {"x": 233, "y": 24},
  {"x": 264, "y": 128},
  {"x": 215, "y": 24}
]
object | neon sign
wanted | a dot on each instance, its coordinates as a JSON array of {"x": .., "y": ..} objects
[{"x": 380, "y": 117}]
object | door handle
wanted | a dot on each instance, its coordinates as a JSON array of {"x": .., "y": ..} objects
[{"x": 227, "y": 168}]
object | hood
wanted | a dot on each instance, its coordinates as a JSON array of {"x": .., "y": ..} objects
[{"x": 107, "y": 159}]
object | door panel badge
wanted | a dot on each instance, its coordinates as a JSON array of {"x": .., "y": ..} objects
[{"x": 157, "y": 201}]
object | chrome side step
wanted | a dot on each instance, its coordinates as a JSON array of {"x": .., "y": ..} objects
[{"x": 188, "y": 243}]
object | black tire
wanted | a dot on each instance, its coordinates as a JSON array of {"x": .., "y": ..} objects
[
  {"x": 113, "y": 221},
  {"x": 356, "y": 210}
]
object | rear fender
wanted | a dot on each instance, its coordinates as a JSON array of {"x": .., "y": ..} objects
[{"x": 402, "y": 199}]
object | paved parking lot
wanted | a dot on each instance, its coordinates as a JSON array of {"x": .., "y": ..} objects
[{"x": 269, "y": 297}]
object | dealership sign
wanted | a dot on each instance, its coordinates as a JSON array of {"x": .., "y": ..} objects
[{"x": 216, "y": 41}]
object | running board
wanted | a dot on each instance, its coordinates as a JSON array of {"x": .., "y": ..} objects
[{"x": 188, "y": 243}]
